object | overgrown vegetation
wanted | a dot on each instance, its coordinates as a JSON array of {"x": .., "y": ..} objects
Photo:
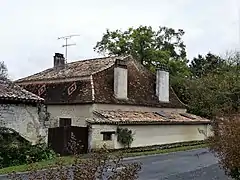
[
  {"x": 225, "y": 144},
  {"x": 101, "y": 164},
  {"x": 124, "y": 136},
  {"x": 15, "y": 150},
  {"x": 216, "y": 91},
  {"x": 151, "y": 150}
]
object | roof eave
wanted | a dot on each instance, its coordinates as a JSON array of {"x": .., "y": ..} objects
[
  {"x": 21, "y": 100},
  {"x": 151, "y": 122}
]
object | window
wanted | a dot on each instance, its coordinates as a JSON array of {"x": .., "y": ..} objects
[
  {"x": 107, "y": 136},
  {"x": 63, "y": 122}
]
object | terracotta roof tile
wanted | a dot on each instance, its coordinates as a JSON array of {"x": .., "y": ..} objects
[
  {"x": 136, "y": 117},
  {"x": 74, "y": 69},
  {"x": 141, "y": 88},
  {"x": 98, "y": 84},
  {"x": 58, "y": 93},
  {"x": 11, "y": 92}
]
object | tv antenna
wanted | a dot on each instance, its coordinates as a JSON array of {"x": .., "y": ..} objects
[{"x": 66, "y": 43}]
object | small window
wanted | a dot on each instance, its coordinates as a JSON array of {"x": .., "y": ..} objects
[
  {"x": 107, "y": 136},
  {"x": 63, "y": 122}
]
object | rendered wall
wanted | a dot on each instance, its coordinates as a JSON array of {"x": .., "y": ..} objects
[{"x": 147, "y": 135}]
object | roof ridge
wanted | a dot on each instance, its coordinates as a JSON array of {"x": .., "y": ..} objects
[
  {"x": 104, "y": 68},
  {"x": 91, "y": 59},
  {"x": 74, "y": 63}
]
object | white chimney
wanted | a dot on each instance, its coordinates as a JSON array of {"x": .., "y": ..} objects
[
  {"x": 162, "y": 84},
  {"x": 120, "y": 79}
]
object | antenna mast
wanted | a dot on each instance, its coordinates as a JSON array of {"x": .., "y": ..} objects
[{"x": 66, "y": 43}]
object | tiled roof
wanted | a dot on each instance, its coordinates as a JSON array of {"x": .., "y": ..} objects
[
  {"x": 141, "y": 88},
  {"x": 94, "y": 80},
  {"x": 58, "y": 93},
  {"x": 136, "y": 117},
  {"x": 73, "y": 69},
  {"x": 11, "y": 92}
]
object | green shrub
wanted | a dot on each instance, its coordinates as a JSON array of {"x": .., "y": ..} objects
[
  {"x": 125, "y": 136},
  {"x": 100, "y": 165},
  {"x": 14, "y": 150}
]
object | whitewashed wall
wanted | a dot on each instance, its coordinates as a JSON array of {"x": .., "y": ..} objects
[
  {"x": 78, "y": 114},
  {"x": 162, "y": 85},
  {"x": 120, "y": 82},
  {"x": 24, "y": 119},
  {"x": 147, "y": 135}
]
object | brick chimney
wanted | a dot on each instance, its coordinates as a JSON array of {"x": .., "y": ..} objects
[
  {"x": 58, "y": 60},
  {"x": 162, "y": 84},
  {"x": 120, "y": 79}
]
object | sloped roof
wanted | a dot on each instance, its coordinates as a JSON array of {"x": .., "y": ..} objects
[
  {"x": 137, "y": 117},
  {"x": 92, "y": 81},
  {"x": 11, "y": 92},
  {"x": 74, "y": 69}
]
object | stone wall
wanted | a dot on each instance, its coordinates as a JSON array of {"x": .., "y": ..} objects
[
  {"x": 97, "y": 137},
  {"x": 24, "y": 119}
]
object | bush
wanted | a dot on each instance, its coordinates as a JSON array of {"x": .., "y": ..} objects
[
  {"x": 225, "y": 144},
  {"x": 124, "y": 136},
  {"x": 15, "y": 150},
  {"x": 100, "y": 165}
]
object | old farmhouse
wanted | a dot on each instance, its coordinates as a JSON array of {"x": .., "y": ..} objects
[
  {"x": 110, "y": 92},
  {"x": 22, "y": 112}
]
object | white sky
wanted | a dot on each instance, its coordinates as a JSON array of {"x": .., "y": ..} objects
[{"x": 29, "y": 28}]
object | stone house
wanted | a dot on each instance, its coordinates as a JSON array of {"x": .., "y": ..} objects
[
  {"x": 105, "y": 93},
  {"x": 22, "y": 112}
]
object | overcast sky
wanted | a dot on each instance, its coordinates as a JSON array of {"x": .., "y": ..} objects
[{"x": 29, "y": 28}]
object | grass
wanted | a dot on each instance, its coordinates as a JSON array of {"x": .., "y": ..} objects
[
  {"x": 164, "y": 151},
  {"x": 68, "y": 159},
  {"x": 39, "y": 165}
]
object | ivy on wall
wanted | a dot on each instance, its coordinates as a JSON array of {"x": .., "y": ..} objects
[{"x": 124, "y": 136}]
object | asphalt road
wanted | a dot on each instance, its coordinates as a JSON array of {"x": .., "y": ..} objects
[
  {"x": 188, "y": 165},
  {"x": 196, "y": 164}
]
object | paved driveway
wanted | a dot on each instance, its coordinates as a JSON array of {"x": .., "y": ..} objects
[{"x": 195, "y": 164}]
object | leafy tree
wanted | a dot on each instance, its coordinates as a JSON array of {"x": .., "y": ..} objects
[
  {"x": 164, "y": 46},
  {"x": 201, "y": 66},
  {"x": 3, "y": 71},
  {"x": 217, "y": 91}
]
